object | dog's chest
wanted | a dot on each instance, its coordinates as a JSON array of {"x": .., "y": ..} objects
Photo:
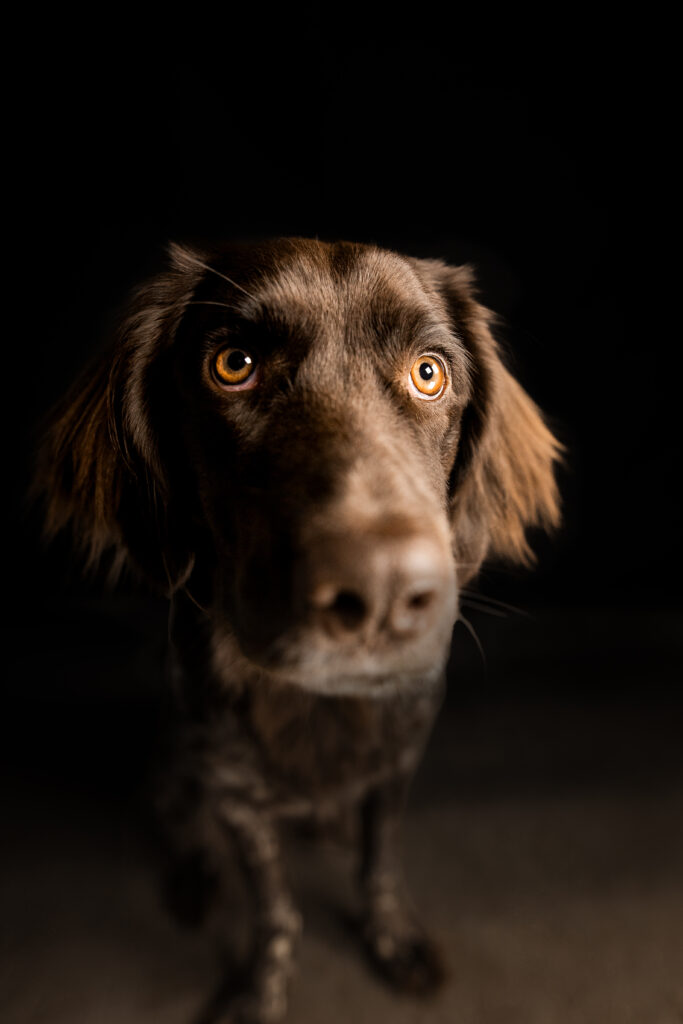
[{"x": 316, "y": 746}]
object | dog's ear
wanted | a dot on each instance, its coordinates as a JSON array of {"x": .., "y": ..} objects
[
  {"x": 503, "y": 481},
  {"x": 102, "y": 468}
]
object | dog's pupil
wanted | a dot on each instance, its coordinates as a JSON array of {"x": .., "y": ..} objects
[
  {"x": 237, "y": 360},
  {"x": 426, "y": 371}
]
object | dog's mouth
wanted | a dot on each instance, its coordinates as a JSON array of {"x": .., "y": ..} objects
[
  {"x": 328, "y": 666},
  {"x": 365, "y": 684},
  {"x": 357, "y": 611}
]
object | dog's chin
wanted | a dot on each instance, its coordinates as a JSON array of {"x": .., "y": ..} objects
[
  {"x": 351, "y": 673},
  {"x": 374, "y": 686}
]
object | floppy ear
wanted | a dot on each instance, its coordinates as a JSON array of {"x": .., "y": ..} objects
[
  {"x": 103, "y": 467},
  {"x": 503, "y": 480}
]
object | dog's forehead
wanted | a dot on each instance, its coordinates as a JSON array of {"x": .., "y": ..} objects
[{"x": 329, "y": 288}]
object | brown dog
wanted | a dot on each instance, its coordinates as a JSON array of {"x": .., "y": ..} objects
[{"x": 311, "y": 448}]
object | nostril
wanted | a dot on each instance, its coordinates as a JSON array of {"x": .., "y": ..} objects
[
  {"x": 348, "y": 608},
  {"x": 343, "y": 608},
  {"x": 413, "y": 611},
  {"x": 423, "y": 599}
]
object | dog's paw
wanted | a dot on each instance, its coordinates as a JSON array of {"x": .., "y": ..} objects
[
  {"x": 228, "y": 1006},
  {"x": 244, "y": 997},
  {"x": 248, "y": 1009},
  {"x": 409, "y": 963}
]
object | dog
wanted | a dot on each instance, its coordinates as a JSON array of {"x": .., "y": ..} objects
[{"x": 311, "y": 448}]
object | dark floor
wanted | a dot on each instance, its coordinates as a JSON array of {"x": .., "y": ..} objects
[{"x": 543, "y": 841}]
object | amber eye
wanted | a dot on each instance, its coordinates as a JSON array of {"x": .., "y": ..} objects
[
  {"x": 234, "y": 366},
  {"x": 429, "y": 376}
]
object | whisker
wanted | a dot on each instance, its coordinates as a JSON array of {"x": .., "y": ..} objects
[
  {"x": 212, "y": 270},
  {"x": 202, "y": 609},
  {"x": 485, "y": 599},
  {"x": 207, "y": 302},
  {"x": 483, "y": 608},
  {"x": 471, "y": 630}
]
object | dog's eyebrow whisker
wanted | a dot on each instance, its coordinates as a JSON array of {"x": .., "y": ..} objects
[
  {"x": 212, "y": 270},
  {"x": 207, "y": 302}
]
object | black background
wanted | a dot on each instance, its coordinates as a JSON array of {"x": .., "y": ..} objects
[{"x": 547, "y": 173}]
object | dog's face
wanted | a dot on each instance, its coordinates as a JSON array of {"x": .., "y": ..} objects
[
  {"x": 323, "y": 405},
  {"x": 319, "y": 442}
]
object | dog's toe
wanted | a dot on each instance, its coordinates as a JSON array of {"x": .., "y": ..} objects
[{"x": 409, "y": 964}]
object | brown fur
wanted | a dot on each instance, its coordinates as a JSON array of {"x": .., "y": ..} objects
[
  {"x": 507, "y": 486},
  {"x": 247, "y": 507}
]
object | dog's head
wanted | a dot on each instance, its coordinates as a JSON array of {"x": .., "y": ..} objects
[{"x": 319, "y": 442}]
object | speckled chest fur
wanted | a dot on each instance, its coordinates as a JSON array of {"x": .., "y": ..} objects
[{"x": 295, "y": 753}]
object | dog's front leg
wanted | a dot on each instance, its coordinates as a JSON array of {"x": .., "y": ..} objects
[
  {"x": 278, "y": 923},
  {"x": 398, "y": 947}
]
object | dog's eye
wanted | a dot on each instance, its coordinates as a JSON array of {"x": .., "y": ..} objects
[
  {"x": 234, "y": 366},
  {"x": 428, "y": 376}
]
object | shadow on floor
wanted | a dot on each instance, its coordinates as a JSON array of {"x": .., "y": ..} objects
[{"x": 543, "y": 845}]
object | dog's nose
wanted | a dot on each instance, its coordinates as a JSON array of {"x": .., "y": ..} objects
[{"x": 376, "y": 585}]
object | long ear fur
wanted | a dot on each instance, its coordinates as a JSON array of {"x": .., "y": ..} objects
[
  {"x": 100, "y": 467},
  {"x": 503, "y": 481}
]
